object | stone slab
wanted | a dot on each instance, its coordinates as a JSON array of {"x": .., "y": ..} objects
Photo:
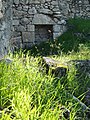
[
  {"x": 42, "y": 19},
  {"x": 31, "y": 28},
  {"x": 28, "y": 37},
  {"x": 15, "y": 22},
  {"x": 57, "y": 28}
]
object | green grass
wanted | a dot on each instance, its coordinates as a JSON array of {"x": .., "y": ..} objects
[{"x": 28, "y": 94}]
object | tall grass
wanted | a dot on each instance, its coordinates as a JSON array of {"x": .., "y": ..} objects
[{"x": 27, "y": 94}]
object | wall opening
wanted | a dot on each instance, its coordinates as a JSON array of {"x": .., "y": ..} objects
[{"x": 43, "y": 33}]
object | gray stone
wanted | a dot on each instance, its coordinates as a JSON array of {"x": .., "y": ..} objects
[
  {"x": 0, "y": 4},
  {"x": 31, "y": 28},
  {"x": 19, "y": 8},
  {"x": 16, "y": 34},
  {"x": 32, "y": 11},
  {"x": 15, "y": 22},
  {"x": 63, "y": 22},
  {"x": 24, "y": 21},
  {"x": 54, "y": 3},
  {"x": 22, "y": 1},
  {"x": 25, "y": 8},
  {"x": 17, "y": 13},
  {"x": 5, "y": 26},
  {"x": 55, "y": 67},
  {"x": 34, "y": 1},
  {"x": 19, "y": 28},
  {"x": 57, "y": 28},
  {"x": 1, "y": 15},
  {"x": 16, "y": 1},
  {"x": 2, "y": 26},
  {"x": 28, "y": 37},
  {"x": 42, "y": 19},
  {"x": 45, "y": 11}
]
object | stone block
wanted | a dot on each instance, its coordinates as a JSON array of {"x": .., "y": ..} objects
[
  {"x": 16, "y": 2},
  {"x": 57, "y": 28},
  {"x": 17, "y": 13},
  {"x": 15, "y": 22},
  {"x": 22, "y": 1},
  {"x": 31, "y": 28},
  {"x": 16, "y": 34},
  {"x": 0, "y": 4},
  {"x": 2, "y": 26},
  {"x": 34, "y": 1},
  {"x": 24, "y": 21},
  {"x": 54, "y": 3},
  {"x": 56, "y": 68},
  {"x": 25, "y": 8},
  {"x": 32, "y": 11},
  {"x": 28, "y": 37},
  {"x": 45, "y": 11},
  {"x": 1, "y": 15},
  {"x": 19, "y": 8},
  {"x": 42, "y": 19},
  {"x": 20, "y": 28}
]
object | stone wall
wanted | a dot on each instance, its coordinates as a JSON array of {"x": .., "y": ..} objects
[
  {"x": 5, "y": 26},
  {"x": 29, "y": 17},
  {"x": 75, "y": 8},
  {"x": 28, "y": 14}
]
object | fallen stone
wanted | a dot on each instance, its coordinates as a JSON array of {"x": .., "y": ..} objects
[
  {"x": 6, "y": 60},
  {"x": 55, "y": 67}
]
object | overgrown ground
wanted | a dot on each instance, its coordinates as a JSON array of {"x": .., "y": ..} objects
[{"x": 28, "y": 94}]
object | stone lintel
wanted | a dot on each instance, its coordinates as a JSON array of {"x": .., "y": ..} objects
[{"x": 41, "y": 19}]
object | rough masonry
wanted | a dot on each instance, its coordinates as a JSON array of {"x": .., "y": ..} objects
[
  {"x": 27, "y": 22},
  {"x": 5, "y": 26}
]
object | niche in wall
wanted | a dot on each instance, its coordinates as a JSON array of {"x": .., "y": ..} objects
[{"x": 43, "y": 33}]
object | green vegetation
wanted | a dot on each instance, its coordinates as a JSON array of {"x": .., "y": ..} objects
[{"x": 28, "y": 94}]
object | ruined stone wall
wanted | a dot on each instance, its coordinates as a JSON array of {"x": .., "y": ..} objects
[
  {"x": 32, "y": 21},
  {"x": 5, "y": 26},
  {"x": 29, "y": 16},
  {"x": 75, "y": 8}
]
